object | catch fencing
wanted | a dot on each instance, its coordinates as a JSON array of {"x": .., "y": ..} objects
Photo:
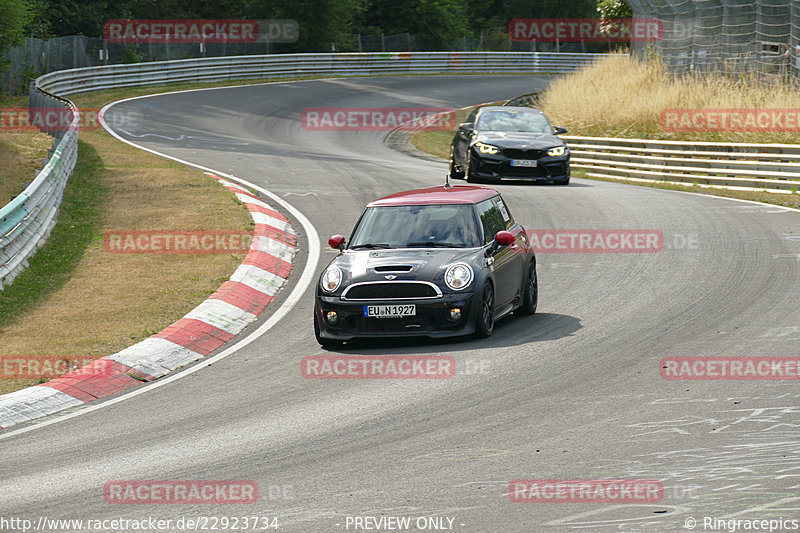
[{"x": 731, "y": 36}]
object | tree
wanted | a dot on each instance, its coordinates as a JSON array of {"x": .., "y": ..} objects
[
  {"x": 15, "y": 15},
  {"x": 437, "y": 23},
  {"x": 614, "y": 9}
]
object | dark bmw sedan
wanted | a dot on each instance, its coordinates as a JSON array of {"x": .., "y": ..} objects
[
  {"x": 499, "y": 142},
  {"x": 436, "y": 262}
]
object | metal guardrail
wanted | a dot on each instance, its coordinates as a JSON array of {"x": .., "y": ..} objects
[
  {"x": 26, "y": 222},
  {"x": 289, "y": 65},
  {"x": 771, "y": 167}
]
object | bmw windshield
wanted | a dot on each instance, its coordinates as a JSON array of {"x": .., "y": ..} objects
[
  {"x": 513, "y": 121},
  {"x": 408, "y": 226}
]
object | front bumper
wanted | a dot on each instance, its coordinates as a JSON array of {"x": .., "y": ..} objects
[
  {"x": 498, "y": 166},
  {"x": 432, "y": 318}
]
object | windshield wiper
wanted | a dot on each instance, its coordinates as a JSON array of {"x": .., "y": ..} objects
[
  {"x": 370, "y": 245},
  {"x": 435, "y": 244}
]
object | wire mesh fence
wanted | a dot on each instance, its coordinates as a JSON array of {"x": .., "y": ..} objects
[{"x": 730, "y": 36}]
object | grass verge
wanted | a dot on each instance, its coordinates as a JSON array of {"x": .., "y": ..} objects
[
  {"x": 21, "y": 155},
  {"x": 620, "y": 96},
  {"x": 79, "y": 301}
]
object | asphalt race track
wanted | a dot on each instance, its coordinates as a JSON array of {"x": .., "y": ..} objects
[{"x": 574, "y": 392}]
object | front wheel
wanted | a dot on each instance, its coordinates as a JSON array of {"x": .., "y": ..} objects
[
  {"x": 471, "y": 173},
  {"x": 530, "y": 299},
  {"x": 455, "y": 174},
  {"x": 484, "y": 322}
]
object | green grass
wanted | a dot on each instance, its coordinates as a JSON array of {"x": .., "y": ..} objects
[
  {"x": 434, "y": 142},
  {"x": 77, "y": 225}
]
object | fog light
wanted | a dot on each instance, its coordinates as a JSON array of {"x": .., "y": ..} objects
[
  {"x": 332, "y": 317},
  {"x": 455, "y": 313}
]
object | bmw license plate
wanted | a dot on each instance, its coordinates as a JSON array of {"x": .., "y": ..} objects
[
  {"x": 524, "y": 162},
  {"x": 389, "y": 311}
]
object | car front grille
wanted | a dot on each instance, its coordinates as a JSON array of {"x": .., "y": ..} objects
[
  {"x": 390, "y": 325},
  {"x": 392, "y": 290},
  {"x": 516, "y": 153}
]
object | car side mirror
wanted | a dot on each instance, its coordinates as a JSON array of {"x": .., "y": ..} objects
[
  {"x": 336, "y": 242},
  {"x": 504, "y": 238},
  {"x": 466, "y": 127},
  {"x": 501, "y": 238},
  {"x": 559, "y": 130}
]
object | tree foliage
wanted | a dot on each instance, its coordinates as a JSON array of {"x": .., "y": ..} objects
[
  {"x": 15, "y": 15},
  {"x": 614, "y": 9},
  {"x": 438, "y": 24}
]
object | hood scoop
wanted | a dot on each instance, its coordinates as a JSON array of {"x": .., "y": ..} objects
[{"x": 393, "y": 268}]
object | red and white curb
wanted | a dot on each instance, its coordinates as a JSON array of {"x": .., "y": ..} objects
[{"x": 226, "y": 313}]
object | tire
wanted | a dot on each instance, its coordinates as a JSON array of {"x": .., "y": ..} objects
[
  {"x": 530, "y": 298},
  {"x": 470, "y": 177},
  {"x": 565, "y": 182},
  {"x": 484, "y": 322},
  {"x": 325, "y": 343},
  {"x": 455, "y": 174}
]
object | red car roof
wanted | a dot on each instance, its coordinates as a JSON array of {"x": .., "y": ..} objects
[{"x": 457, "y": 194}]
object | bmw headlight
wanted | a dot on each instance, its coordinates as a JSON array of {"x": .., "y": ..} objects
[
  {"x": 458, "y": 276},
  {"x": 486, "y": 148},
  {"x": 331, "y": 279},
  {"x": 558, "y": 150}
]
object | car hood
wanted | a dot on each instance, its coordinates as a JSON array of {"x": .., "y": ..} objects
[
  {"x": 426, "y": 264},
  {"x": 521, "y": 140}
]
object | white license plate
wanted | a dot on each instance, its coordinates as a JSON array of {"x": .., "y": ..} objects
[
  {"x": 389, "y": 311},
  {"x": 524, "y": 162}
]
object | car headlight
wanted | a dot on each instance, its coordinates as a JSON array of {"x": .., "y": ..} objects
[
  {"x": 486, "y": 148},
  {"x": 558, "y": 150},
  {"x": 458, "y": 276},
  {"x": 331, "y": 279}
]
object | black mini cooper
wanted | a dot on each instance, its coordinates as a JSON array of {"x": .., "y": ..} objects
[{"x": 436, "y": 262}]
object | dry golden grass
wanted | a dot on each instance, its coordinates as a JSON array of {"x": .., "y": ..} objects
[
  {"x": 21, "y": 155},
  {"x": 622, "y": 96},
  {"x": 113, "y": 301}
]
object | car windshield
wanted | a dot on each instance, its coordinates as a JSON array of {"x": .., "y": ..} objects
[
  {"x": 407, "y": 226},
  {"x": 514, "y": 120}
]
